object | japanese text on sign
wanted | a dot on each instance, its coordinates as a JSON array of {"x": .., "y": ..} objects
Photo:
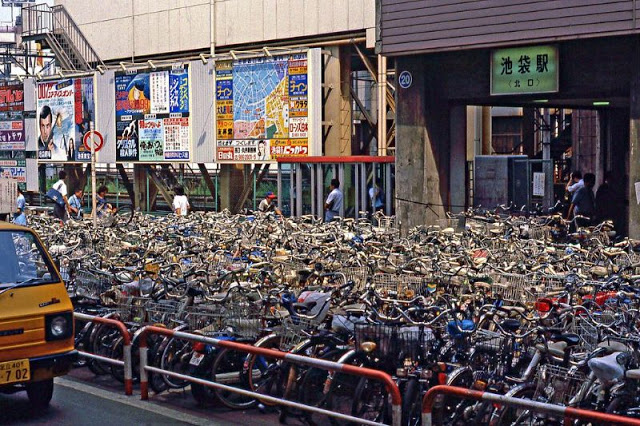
[{"x": 524, "y": 70}]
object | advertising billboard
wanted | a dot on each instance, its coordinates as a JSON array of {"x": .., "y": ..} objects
[
  {"x": 65, "y": 112},
  {"x": 152, "y": 115},
  {"x": 262, "y": 108}
]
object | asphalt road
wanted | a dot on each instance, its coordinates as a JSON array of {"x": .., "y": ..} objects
[{"x": 79, "y": 404}]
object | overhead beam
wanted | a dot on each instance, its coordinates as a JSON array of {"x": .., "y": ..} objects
[
  {"x": 164, "y": 191},
  {"x": 127, "y": 183}
]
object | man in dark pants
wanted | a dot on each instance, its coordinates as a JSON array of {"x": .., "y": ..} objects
[{"x": 583, "y": 202}]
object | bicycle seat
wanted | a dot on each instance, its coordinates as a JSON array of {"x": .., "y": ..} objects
[
  {"x": 569, "y": 338},
  {"x": 614, "y": 346},
  {"x": 607, "y": 368},
  {"x": 510, "y": 324},
  {"x": 553, "y": 348},
  {"x": 633, "y": 374},
  {"x": 356, "y": 308}
]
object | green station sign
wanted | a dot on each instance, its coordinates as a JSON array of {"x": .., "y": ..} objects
[{"x": 522, "y": 70}]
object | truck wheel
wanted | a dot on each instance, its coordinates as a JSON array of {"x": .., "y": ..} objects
[{"x": 40, "y": 393}]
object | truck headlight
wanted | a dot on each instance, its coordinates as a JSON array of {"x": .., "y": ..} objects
[{"x": 58, "y": 326}]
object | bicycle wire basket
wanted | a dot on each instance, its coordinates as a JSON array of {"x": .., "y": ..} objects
[
  {"x": 394, "y": 342},
  {"x": 516, "y": 288},
  {"x": 165, "y": 312},
  {"x": 91, "y": 285},
  {"x": 294, "y": 331},
  {"x": 557, "y": 385},
  {"x": 358, "y": 274},
  {"x": 132, "y": 308},
  {"x": 206, "y": 319},
  {"x": 586, "y": 330},
  {"x": 489, "y": 341},
  {"x": 400, "y": 286}
]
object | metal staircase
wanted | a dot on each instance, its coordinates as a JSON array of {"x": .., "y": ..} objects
[{"x": 54, "y": 28}]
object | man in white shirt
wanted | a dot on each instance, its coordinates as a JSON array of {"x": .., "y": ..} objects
[
  {"x": 60, "y": 210},
  {"x": 333, "y": 205},
  {"x": 181, "y": 204},
  {"x": 575, "y": 182}
]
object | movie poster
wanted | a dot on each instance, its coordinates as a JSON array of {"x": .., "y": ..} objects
[
  {"x": 152, "y": 116},
  {"x": 65, "y": 111}
]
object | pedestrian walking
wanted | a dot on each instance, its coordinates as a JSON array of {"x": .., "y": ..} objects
[
  {"x": 58, "y": 193},
  {"x": 333, "y": 204},
  {"x": 583, "y": 202},
  {"x": 20, "y": 217},
  {"x": 181, "y": 204},
  {"x": 268, "y": 205}
]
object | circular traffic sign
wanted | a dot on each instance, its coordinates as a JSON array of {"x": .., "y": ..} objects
[
  {"x": 93, "y": 137},
  {"x": 405, "y": 79}
]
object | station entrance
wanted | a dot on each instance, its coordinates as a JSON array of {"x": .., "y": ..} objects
[{"x": 588, "y": 121}]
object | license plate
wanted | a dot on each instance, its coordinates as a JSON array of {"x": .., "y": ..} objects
[
  {"x": 196, "y": 359},
  {"x": 14, "y": 371}
]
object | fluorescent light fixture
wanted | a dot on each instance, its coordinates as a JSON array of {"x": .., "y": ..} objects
[
  {"x": 601, "y": 103},
  {"x": 203, "y": 59},
  {"x": 39, "y": 75},
  {"x": 233, "y": 55},
  {"x": 100, "y": 69},
  {"x": 60, "y": 74},
  {"x": 541, "y": 101},
  {"x": 266, "y": 51},
  {"x": 21, "y": 78},
  {"x": 122, "y": 66},
  {"x": 151, "y": 64}
]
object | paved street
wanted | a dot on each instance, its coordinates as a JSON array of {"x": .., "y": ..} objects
[{"x": 78, "y": 404}]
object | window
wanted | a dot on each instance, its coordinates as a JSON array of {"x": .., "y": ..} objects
[{"x": 22, "y": 260}]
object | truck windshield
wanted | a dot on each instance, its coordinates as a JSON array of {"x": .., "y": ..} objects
[{"x": 22, "y": 260}]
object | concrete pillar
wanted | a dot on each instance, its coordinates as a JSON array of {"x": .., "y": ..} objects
[
  {"x": 231, "y": 185},
  {"x": 486, "y": 131},
  {"x": 140, "y": 187},
  {"x": 338, "y": 115},
  {"x": 634, "y": 142},
  {"x": 457, "y": 160},
  {"x": 528, "y": 132},
  {"x": 422, "y": 145}
]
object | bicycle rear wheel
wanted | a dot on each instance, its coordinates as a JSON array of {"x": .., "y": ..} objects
[{"x": 123, "y": 216}]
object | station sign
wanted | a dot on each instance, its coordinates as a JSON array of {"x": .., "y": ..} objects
[{"x": 524, "y": 70}]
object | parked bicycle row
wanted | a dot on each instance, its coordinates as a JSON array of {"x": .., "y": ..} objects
[{"x": 515, "y": 305}]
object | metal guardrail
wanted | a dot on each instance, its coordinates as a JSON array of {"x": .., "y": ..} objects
[
  {"x": 126, "y": 341},
  {"x": 391, "y": 386},
  {"x": 555, "y": 410}
]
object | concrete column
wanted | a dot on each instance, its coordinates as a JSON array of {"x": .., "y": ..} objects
[
  {"x": 486, "y": 131},
  {"x": 140, "y": 187},
  {"x": 457, "y": 160},
  {"x": 337, "y": 113},
  {"x": 528, "y": 132},
  {"x": 422, "y": 145},
  {"x": 231, "y": 185},
  {"x": 634, "y": 143}
]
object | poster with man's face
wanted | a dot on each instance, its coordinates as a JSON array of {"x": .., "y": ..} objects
[{"x": 65, "y": 111}]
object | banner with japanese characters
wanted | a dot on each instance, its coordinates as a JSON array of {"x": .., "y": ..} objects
[
  {"x": 152, "y": 115},
  {"x": 65, "y": 113},
  {"x": 11, "y": 97},
  {"x": 12, "y": 134},
  {"x": 262, "y": 108}
]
